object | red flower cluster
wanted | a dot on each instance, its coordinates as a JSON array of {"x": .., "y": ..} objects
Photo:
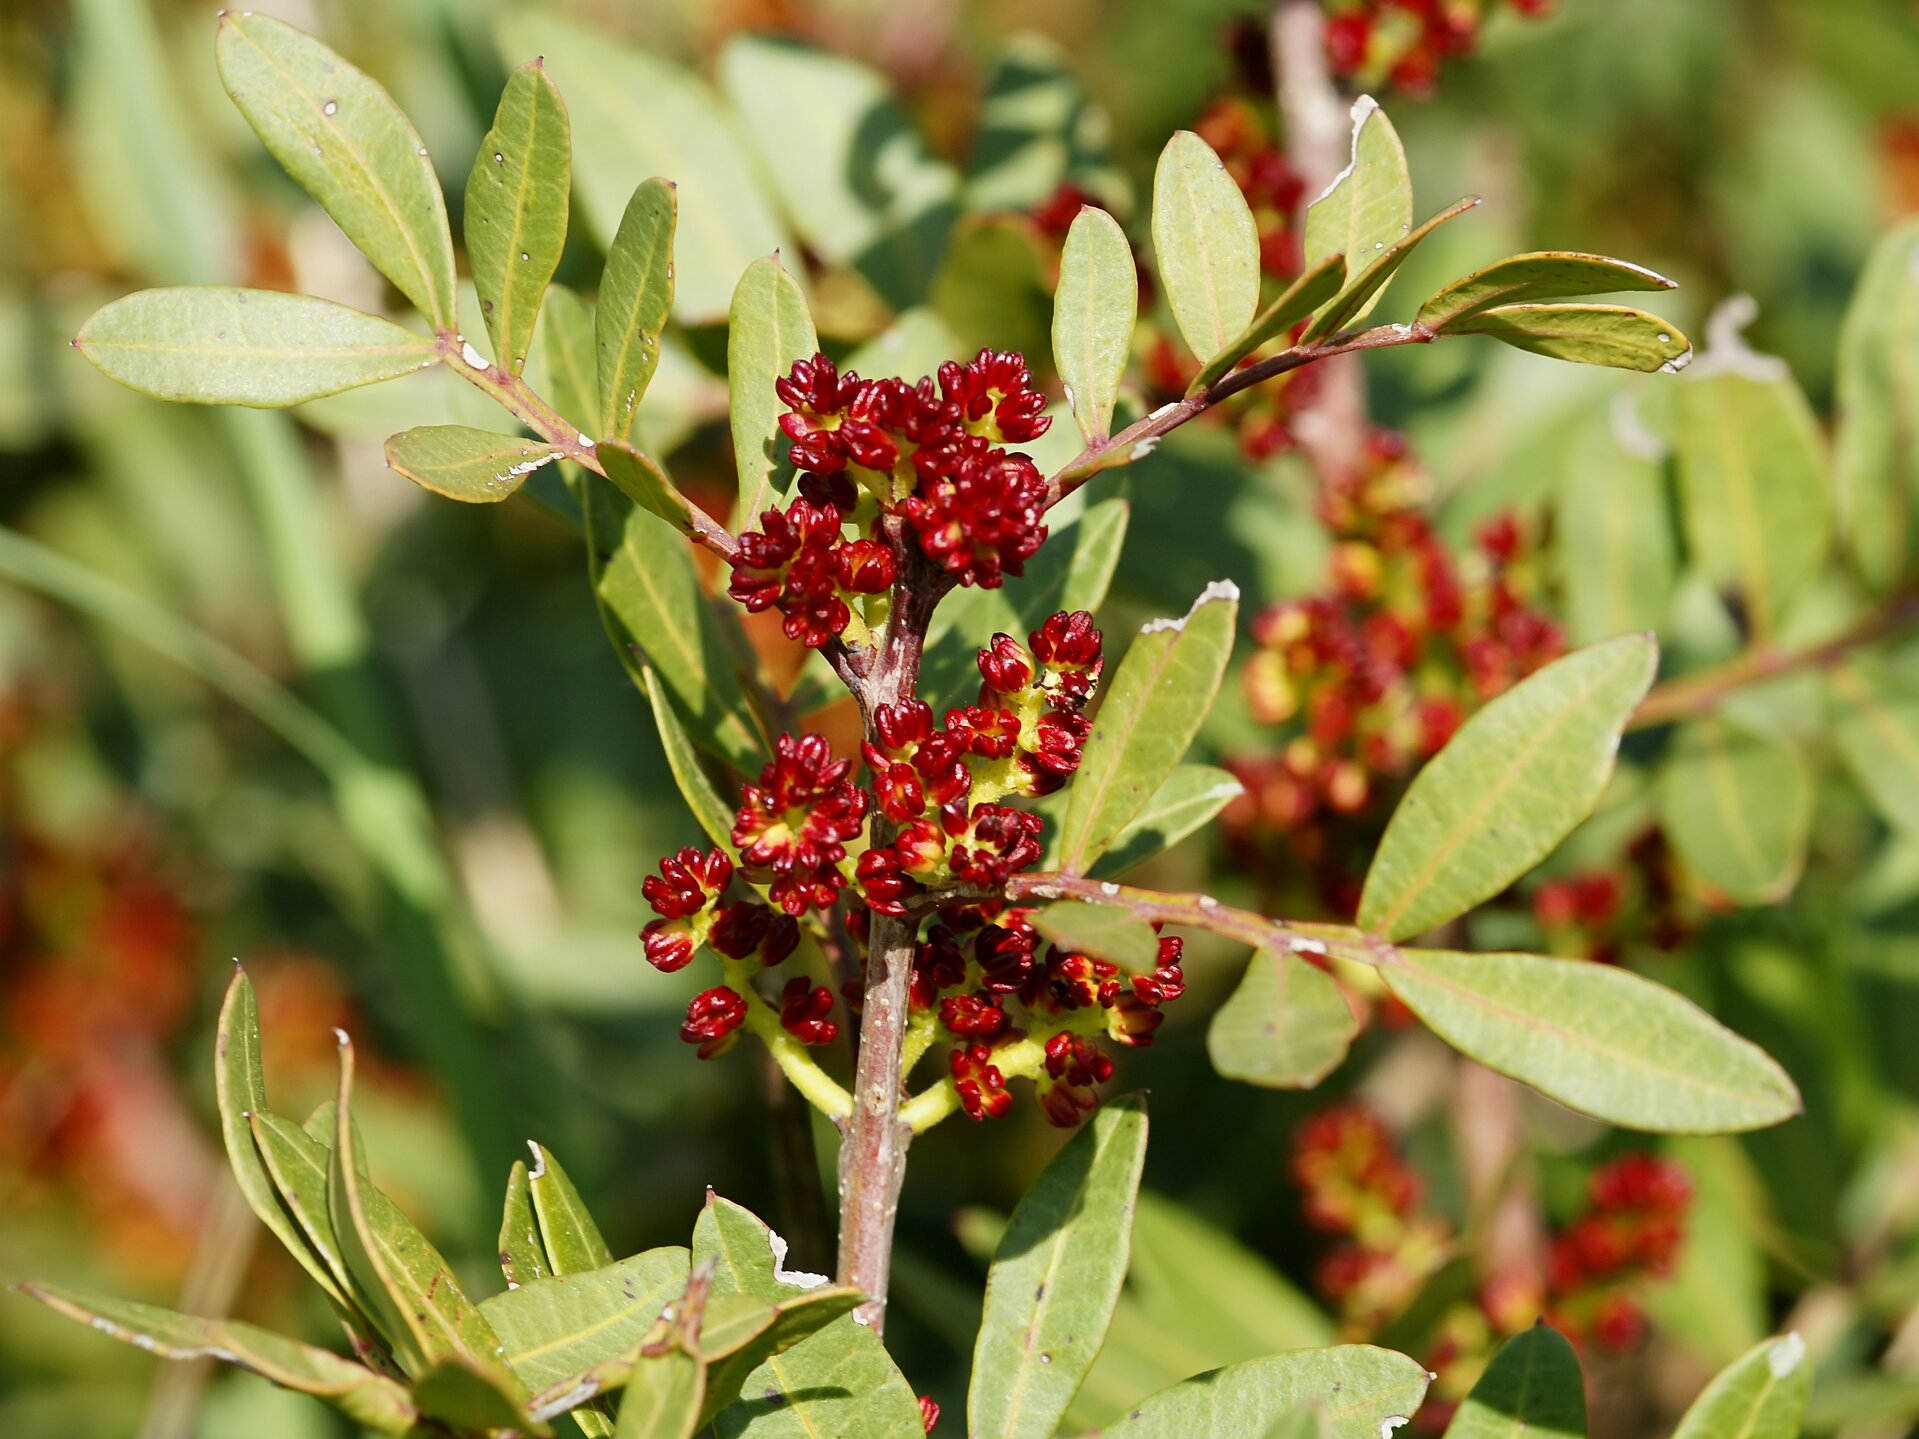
[
  {"x": 928, "y": 453},
  {"x": 1373, "y": 674},
  {"x": 793, "y": 826},
  {"x": 1405, "y": 41},
  {"x": 1632, "y": 1229},
  {"x": 1638, "y": 898}
]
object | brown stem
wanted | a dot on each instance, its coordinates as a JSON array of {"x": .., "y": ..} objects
[
  {"x": 1698, "y": 694},
  {"x": 1202, "y": 911}
]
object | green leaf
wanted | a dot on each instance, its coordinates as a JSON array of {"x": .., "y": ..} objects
[
  {"x": 563, "y": 1325},
  {"x": 1191, "y": 795},
  {"x": 1104, "y": 931},
  {"x": 1205, "y": 243},
  {"x": 470, "y": 1399},
  {"x": 769, "y": 330},
  {"x": 1037, "y": 127},
  {"x": 572, "y": 1239},
  {"x": 565, "y": 364},
  {"x": 1056, "y": 1277},
  {"x": 1598, "y": 1039},
  {"x": 995, "y": 288},
  {"x": 1306, "y": 294},
  {"x": 1761, "y": 1396},
  {"x": 1369, "y": 206},
  {"x": 636, "y": 297},
  {"x": 855, "y": 177},
  {"x": 1619, "y": 576},
  {"x": 1094, "y": 311},
  {"x": 1737, "y": 808},
  {"x": 645, "y": 483},
  {"x": 1152, "y": 709},
  {"x": 419, "y": 1304},
  {"x": 656, "y": 613},
  {"x": 1515, "y": 780},
  {"x": 516, "y": 199},
  {"x": 298, "y": 1164},
  {"x": 1363, "y": 290},
  {"x": 1617, "y": 336},
  {"x": 1285, "y": 1027},
  {"x": 1203, "y": 1280},
  {"x": 1753, "y": 489},
  {"x": 1877, "y": 736},
  {"x": 637, "y": 114},
  {"x": 1877, "y": 394},
  {"x": 1357, "y": 1389},
  {"x": 320, "y": 1126},
  {"x": 368, "y": 1398},
  {"x": 838, "y": 1381},
  {"x": 215, "y": 345},
  {"x": 477, "y": 466},
  {"x": 664, "y": 1397},
  {"x": 522, "y": 1251},
  {"x": 1532, "y": 1389},
  {"x": 340, "y": 135},
  {"x": 713, "y": 813},
  {"x": 240, "y": 1089},
  {"x": 1537, "y": 275}
]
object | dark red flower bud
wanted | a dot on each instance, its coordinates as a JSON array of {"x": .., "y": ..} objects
[
  {"x": 866, "y": 567},
  {"x": 1074, "y": 1068},
  {"x": 669, "y": 944},
  {"x": 972, "y": 1016},
  {"x": 687, "y": 883},
  {"x": 1006, "y": 667},
  {"x": 739, "y": 929},
  {"x": 994, "y": 395},
  {"x": 984, "y": 520},
  {"x": 792, "y": 827},
  {"x": 803, "y": 1011},
  {"x": 713, "y": 1020},
  {"x": 938, "y": 965},
  {"x": 882, "y": 884},
  {"x": 988, "y": 733},
  {"x": 981, "y": 1086},
  {"x": 1067, "y": 648},
  {"x": 929, "y": 1413}
]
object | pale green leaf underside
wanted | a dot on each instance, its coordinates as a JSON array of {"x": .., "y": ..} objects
[
  {"x": 1737, "y": 808},
  {"x": 645, "y": 483},
  {"x": 1190, "y": 796},
  {"x": 1094, "y": 311},
  {"x": 1616, "y": 336},
  {"x": 636, "y": 296},
  {"x": 1619, "y": 577},
  {"x": 339, "y": 134},
  {"x": 1286, "y": 1026},
  {"x": 1876, "y": 457},
  {"x": 1205, "y": 243},
  {"x": 216, "y": 345},
  {"x": 663, "y": 1397},
  {"x": 1878, "y": 738},
  {"x": 1514, "y": 781},
  {"x": 769, "y": 330},
  {"x": 1759, "y": 1396},
  {"x": 477, "y": 466},
  {"x": 516, "y": 209},
  {"x": 565, "y": 1324},
  {"x": 1369, "y": 207},
  {"x": 1307, "y": 293},
  {"x": 1539, "y": 275},
  {"x": 1056, "y": 1277},
  {"x": 1356, "y": 1388},
  {"x": 1597, "y": 1038}
]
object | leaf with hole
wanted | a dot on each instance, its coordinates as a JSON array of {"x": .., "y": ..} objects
[
  {"x": 516, "y": 198},
  {"x": 1369, "y": 206},
  {"x": 1598, "y": 1039},
  {"x": 216, "y": 345},
  {"x": 1515, "y": 780},
  {"x": 341, "y": 137}
]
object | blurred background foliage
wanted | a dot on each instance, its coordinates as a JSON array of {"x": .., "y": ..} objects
[{"x": 446, "y": 859}]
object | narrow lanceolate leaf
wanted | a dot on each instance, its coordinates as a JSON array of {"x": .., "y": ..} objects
[
  {"x": 1360, "y": 1392},
  {"x": 343, "y": 139},
  {"x": 1287, "y": 1026},
  {"x": 1514, "y": 781},
  {"x": 560, "y": 1326},
  {"x": 636, "y": 296},
  {"x": 1154, "y": 707},
  {"x": 215, "y": 345},
  {"x": 1369, "y": 206},
  {"x": 1094, "y": 311},
  {"x": 1878, "y": 738},
  {"x": 1529, "y": 278},
  {"x": 1306, "y": 294},
  {"x": 1056, "y": 1277},
  {"x": 1753, "y": 488},
  {"x": 1759, "y": 1396},
  {"x": 663, "y": 1397},
  {"x": 516, "y": 199},
  {"x": 240, "y": 1088},
  {"x": 1206, "y": 245},
  {"x": 1532, "y": 1390},
  {"x": 416, "y": 1299},
  {"x": 522, "y": 1251},
  {"x": 477, "y": 466},
  {"x": 1737, "y": 808},
  {"x": 572, "y": 1239},
  {"x": 645, "y": 483},
  {"x": 769, "y": 330},
  {"x": 713, "y": 813},
  {"x": 1877, "y": 391},
  {"x": 298, "y": 1164},
  {"x": 1363, "y": 290},
  {"x": 1617, "y": 336},
  {"x": 1619, "y": 577},
  {"x": 1191, "y": 795},
  {"x": 469, "y": 1399},
  {"x": 368, "y": 1398},
  {"x": 320, "y": 1127},
  {"x": 1103, "y": 931},
  {"x": 1598, "y": 1039}
]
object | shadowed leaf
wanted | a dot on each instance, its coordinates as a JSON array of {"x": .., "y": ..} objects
[
  {"x": 476, "y": 466},
  {"x": 1285, "y": 1027}
]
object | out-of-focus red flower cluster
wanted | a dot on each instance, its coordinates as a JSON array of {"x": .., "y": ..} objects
[
  {"x": 1405, "y": 42},
  {"x": 1631, "y": 1231},
  {"x": 1596, "y": 912},
  {"x": 1371, "y": 676}
]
